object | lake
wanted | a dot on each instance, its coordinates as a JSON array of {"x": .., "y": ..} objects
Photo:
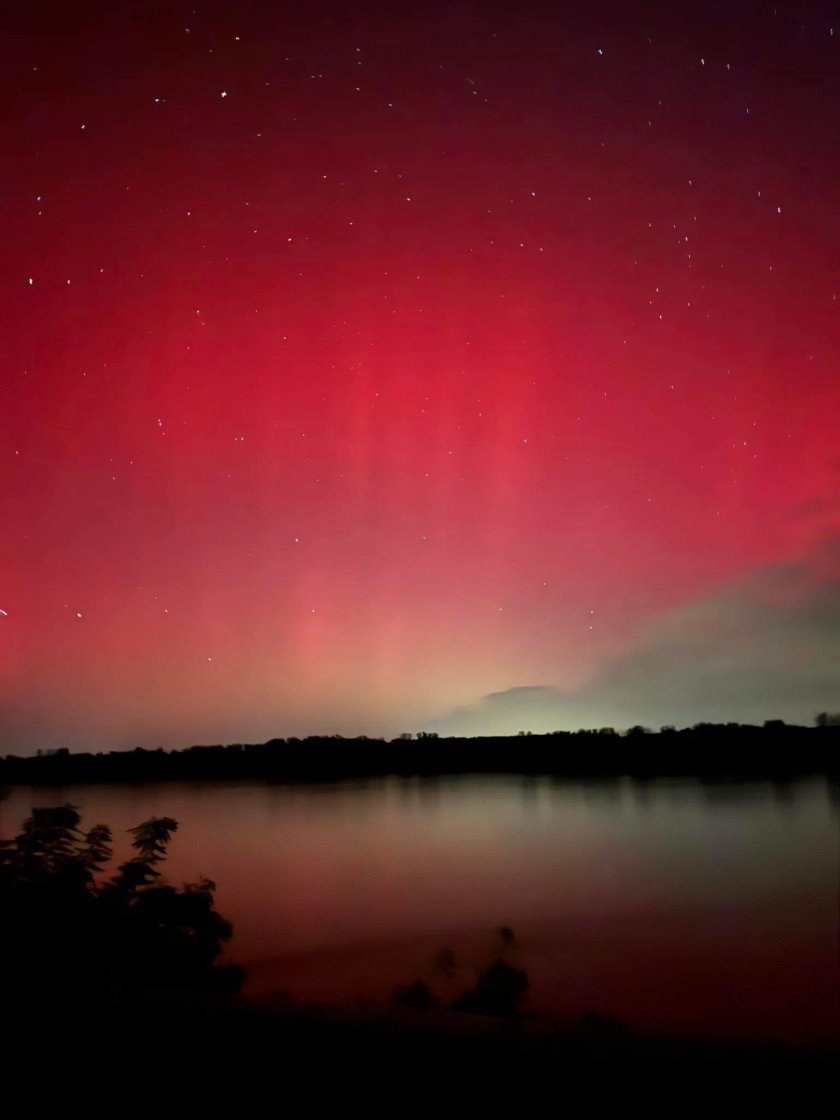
[{"x": 673, "y": 905}]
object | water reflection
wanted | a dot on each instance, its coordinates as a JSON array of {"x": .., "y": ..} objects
[{"x": 672, "y": 904}]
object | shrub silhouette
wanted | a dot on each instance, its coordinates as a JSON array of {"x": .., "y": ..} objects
[
  {"x": 499, "y": 991},
  {"x": 66, "y": 934},
  {"x": 417, "y": 995},
  {"x": 445, "y": 964}
]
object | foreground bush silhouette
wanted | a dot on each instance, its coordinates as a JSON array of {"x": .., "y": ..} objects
[
  {"x": 65, "y": 934},
  {"x": 499, "y": 990},
  {"x": 417, "y": 995}
]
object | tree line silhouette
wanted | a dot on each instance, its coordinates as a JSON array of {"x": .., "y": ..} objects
[{"x": 730, "y": 750}]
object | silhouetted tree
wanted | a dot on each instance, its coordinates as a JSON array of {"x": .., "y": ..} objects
[{"x": 66, "y": 933}]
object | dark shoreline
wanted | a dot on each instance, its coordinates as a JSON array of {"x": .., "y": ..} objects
[
  {"x": 775, "y": 752},
  {"x": 231, "y": 1045}
]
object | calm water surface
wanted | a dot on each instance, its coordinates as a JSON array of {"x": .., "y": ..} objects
[{"x": 674, "y": 905}]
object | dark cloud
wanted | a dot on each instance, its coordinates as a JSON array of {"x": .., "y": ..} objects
[
  {"x": 768, "y": 647},
  {"x": 522, "y": 692}
]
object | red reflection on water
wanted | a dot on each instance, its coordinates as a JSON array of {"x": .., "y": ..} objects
[{"x": 675, "y": 907}]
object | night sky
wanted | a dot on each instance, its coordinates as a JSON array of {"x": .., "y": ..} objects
[{"x": 370, "y": 368}]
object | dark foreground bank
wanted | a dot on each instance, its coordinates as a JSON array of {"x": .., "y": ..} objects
[
  {"x": 215, "y": 1049},
  {"x": 775, "y": 750}
]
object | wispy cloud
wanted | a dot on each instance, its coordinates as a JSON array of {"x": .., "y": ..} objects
[{"x": 768, "y": 647}]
